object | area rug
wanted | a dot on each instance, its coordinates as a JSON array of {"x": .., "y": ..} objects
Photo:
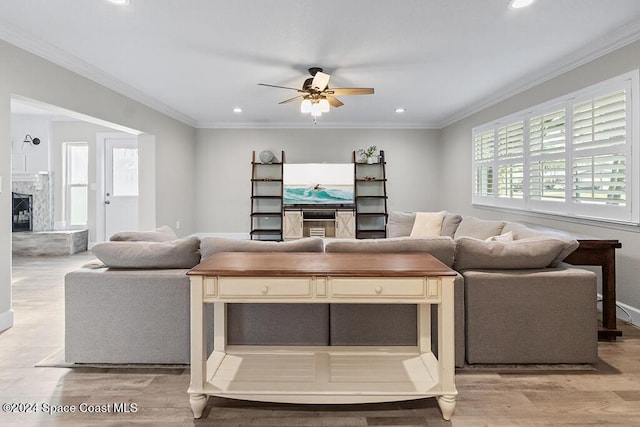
[
  {"x": 526, "y": 367},
  {"x": 56, "y": 360}
]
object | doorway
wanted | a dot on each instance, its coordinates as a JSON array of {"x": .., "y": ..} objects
[{"x": 117, "y": 184}]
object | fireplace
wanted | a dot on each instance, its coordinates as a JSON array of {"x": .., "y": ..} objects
[{"x": 22, "y": 212}]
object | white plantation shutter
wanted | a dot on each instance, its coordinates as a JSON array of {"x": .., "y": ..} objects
[
  {"x": 484, "y": 152},
  {"x": 547, "y": 180},
  {"x": 484, "y": 181},
  {"x": 511, "y": 180},
  {"x": 547, "y": 150},
  {"x": 547, "y": 133},
  {"x": 599, "y": 139},
  {"x": 484, "y": 146},
  {"x": 570, "y": 156},
  {"x": 600, "y": 180},
  {"x": 511, "y": 141},
  {"x": 600, "y": 122}
]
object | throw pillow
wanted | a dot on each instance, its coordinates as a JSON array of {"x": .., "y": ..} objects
[
  {"x": 400, "y": 224},
  {"x": 450, "y": 224},
  {"x": 427, "y": 224},
  {"x": 517, "y": 254},
  {"x": 180, "y": 253},
  {"x": 504, "y": 237},
  {"x": 478, "y": 228},
  {"x": 162, "y": 234},
  {"x": 212, "y": 245}
]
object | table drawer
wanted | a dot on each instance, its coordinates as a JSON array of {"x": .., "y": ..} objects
[
  {"x": 409, "y": 288},
  {"x": 235, "y": 287}
]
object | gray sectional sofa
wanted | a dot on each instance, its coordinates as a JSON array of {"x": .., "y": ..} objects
[{"x": 515, "y": 301}]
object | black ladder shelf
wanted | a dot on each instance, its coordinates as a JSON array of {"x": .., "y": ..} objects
[
  {"x": 266, "y": 199},
  {"x": 370, "y": 194}
]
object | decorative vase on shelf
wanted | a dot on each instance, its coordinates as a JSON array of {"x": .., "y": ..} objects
[
  {"x": 267, "y": 157},
  {"x": 370, "y": 160}
]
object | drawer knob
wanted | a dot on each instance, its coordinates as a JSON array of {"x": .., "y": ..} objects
[
  {"x": 378, "y": 289},
  {"x": 265, "y": 290}
]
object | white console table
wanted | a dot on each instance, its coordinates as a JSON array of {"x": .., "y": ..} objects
[{"x": 331, "y": 374}]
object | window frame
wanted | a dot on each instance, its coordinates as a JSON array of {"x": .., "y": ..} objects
[
  {"x": 67, "y": 185},
  {"x": 628, "y": 214}
]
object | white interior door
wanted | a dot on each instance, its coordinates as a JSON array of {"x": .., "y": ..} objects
[{"x": 120, "y": 185}]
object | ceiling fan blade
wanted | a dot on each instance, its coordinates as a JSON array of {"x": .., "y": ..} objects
[
  {"x": 320, "y": 80},
  {"x": 281, "y": 87},
  {"x": 350, "y": 91},
  {"x": 286, "y": 101},
  {"x": 334, "y": 102}
]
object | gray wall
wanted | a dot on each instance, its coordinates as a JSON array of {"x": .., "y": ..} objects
[
  {"x": 27, "y": 75},
  {"x": 224, "y": 166},
  {"x": 456, "y": 155}
]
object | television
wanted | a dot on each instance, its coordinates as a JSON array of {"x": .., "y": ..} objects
[{"x": 318, "y": 184}]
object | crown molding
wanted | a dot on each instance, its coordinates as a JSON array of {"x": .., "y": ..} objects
[
  {"x": 311, "y": 125},
  {"x": 72, "y": 63},
  {"x": 605, "y": 45}
]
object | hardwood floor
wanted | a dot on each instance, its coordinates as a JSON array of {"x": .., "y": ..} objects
[{"x": 608, "y": 395}]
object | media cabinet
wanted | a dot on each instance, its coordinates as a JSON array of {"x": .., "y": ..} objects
[{"x": 319, "y": 222}]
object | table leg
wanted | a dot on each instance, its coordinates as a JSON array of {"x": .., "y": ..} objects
[
  {"x": 198, "y": 403},
  {"x": 446, "y": 350},
  {"x": 197, "y": 400},
  {"x": 447, "y": 405},
  {"x": 609, "y": 297}
]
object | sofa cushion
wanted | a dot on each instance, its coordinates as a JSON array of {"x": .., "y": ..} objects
[
  {"x": 212, "y": 245},
  {"x": 518, "y": 254},
  {"x": 161, "y": 234},
  {"x": 180, "y": 253},
  {"x": 478, "y": 228},
  {"x": 440, "y": 247},
  {"x": 427, "y": 224}
]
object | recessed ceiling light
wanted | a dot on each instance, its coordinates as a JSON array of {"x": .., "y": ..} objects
[
  {"x": 120, "y": 2},
  {"x": 400, "y": 110},
  {"x": 519, "y": 4},
  {"x": 237, "y": 110}
]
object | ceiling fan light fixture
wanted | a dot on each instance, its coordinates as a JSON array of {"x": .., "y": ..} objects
[
  {"x": 305, "y": 106},
  {"x": 519, "y": 4},
  {"x": 315, "y": 109},
  {"x": 324, "y": 105}
]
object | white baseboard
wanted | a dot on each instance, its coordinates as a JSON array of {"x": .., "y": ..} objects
[
  {"x": 6, "y": 320},
  {"x": 624, "y": 312}
]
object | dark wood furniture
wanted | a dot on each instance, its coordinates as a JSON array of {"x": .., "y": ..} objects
[
  {"x": 601, "y": 253},
  {"x": 266, "y": 199},
  {"x": 370, "y": 197}
]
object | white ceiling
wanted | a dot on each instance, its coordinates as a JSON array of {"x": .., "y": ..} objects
[{"x": 441, "y": 59}]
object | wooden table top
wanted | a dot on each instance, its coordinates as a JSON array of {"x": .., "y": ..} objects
[{"x": 292, "y": 264}]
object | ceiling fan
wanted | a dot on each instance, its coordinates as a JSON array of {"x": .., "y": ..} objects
[{"x": 317, "y": 97}]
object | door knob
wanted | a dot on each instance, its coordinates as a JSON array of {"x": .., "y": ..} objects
[{"x": 106, "y": 202}]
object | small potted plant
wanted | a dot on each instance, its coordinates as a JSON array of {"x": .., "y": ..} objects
[{"x": 368, "y": 155}]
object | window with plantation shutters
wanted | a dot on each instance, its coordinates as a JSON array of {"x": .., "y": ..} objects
[{"x": 572, "y": 156}]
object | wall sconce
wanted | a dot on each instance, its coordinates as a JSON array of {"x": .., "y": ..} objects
[{"x": 29, "y": 140}]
